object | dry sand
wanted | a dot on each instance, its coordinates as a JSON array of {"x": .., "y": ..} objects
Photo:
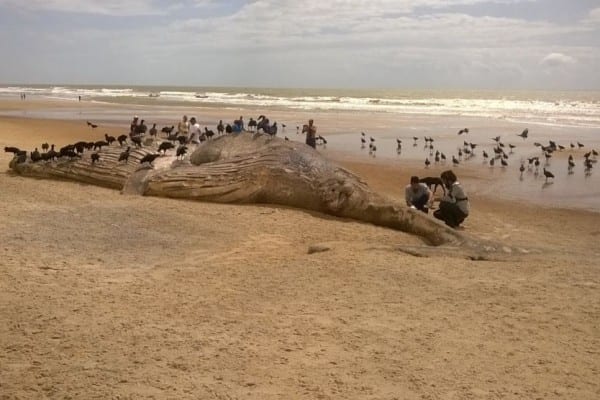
[{"x": 110, "y": 296}]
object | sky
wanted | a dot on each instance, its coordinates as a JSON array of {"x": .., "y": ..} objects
[{"x": 400, "y": 44}]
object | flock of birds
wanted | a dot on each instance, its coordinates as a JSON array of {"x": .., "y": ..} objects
[
  {"x": 498, "y": 155},
  {"x": 173, "y": 140},
  {"x": 134, "y": 138}
]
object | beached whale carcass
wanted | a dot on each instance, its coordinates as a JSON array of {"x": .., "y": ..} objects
[
  {"x": 251, "y": 168},
  {"x": 256, "y": 168}
]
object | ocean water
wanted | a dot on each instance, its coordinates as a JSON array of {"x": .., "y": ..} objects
[
  {"x": 387, "y": 116},
  {"x": 552, "y": 108}
]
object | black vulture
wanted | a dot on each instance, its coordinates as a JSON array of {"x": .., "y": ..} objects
[
  {"x": 124, "y": 156},
  {"x": 109, "y": 139},
  {"x": 182, "y": 151},
  {"x": 122, "y": 139},
  {"x": 149, "y": 158},
  {"x": 164, "y": 146}
]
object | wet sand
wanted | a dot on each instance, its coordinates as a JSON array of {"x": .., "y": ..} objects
[{"x": 112, "y": 296}]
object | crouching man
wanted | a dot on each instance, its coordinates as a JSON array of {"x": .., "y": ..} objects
[
  {"x": 454, "y": 207},
  {"x": 418, "y": 195}
]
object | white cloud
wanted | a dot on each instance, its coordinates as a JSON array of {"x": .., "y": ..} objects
[
  {"x": 557, "y": 59},
  {"x": 267, "y": 25},
  {"x": 593, "y": 18},
  {"x": 314, "y": 42},
  {"x": 261, "y": 8},
  {"x": 103, "y": 7}
]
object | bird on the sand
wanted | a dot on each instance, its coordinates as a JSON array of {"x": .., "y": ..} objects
[
  {"x": 522, "y": 169},
  {"x": 524, "y": 133},
  {"x": 548, "y": 174}
]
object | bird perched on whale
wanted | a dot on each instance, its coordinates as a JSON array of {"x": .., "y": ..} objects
[
  {"x": 122, "y": 139},
  {"x": 99, "y": 144},
  {"x": 95, "y": 158},
  {"x": 11, "y": 149},
  {"x": 164, "y": 146},
  {"x": 182, "y": 151},
  {"x": 149, "y": 158},
  {"x": 124, "y": 156},
  {"x": 109, "y": 139}
]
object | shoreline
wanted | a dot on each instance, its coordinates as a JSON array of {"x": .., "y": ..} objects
[
  {"x": 531, "y": 107},
  {"x": 454, "y": 112}
]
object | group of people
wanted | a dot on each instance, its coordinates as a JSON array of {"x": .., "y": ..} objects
[
  {"x": 454, "y": 206},
  {"x": 191, "y": 129}
]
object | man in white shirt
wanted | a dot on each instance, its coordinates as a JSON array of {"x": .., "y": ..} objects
[
  {"x": 194, "y": 131},
  {"x": 418, "y": 195}
]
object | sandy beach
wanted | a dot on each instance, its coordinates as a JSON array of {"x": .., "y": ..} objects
[{"x": 104, "y": 295}]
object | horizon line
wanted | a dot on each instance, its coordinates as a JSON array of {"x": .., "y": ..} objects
[{"x": 124, "y": 85}]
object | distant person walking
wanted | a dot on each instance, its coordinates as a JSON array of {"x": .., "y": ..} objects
[
  {"x": 311, "y": 134},
  {"x": 454, "y": 206}
]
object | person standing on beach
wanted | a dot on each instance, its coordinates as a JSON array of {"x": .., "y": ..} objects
[
  {"x": 141, "y": 128},
  {"x": 184, "y": 126},
  {"x": 454, "y": 206},
  {"x": 240, "y": 123},
  {"x": 418, "y": 195},
  {"x": 133, "y": 125},
  {"x": 194, "y": 131},
  {"x": 311, "y": 134}
]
